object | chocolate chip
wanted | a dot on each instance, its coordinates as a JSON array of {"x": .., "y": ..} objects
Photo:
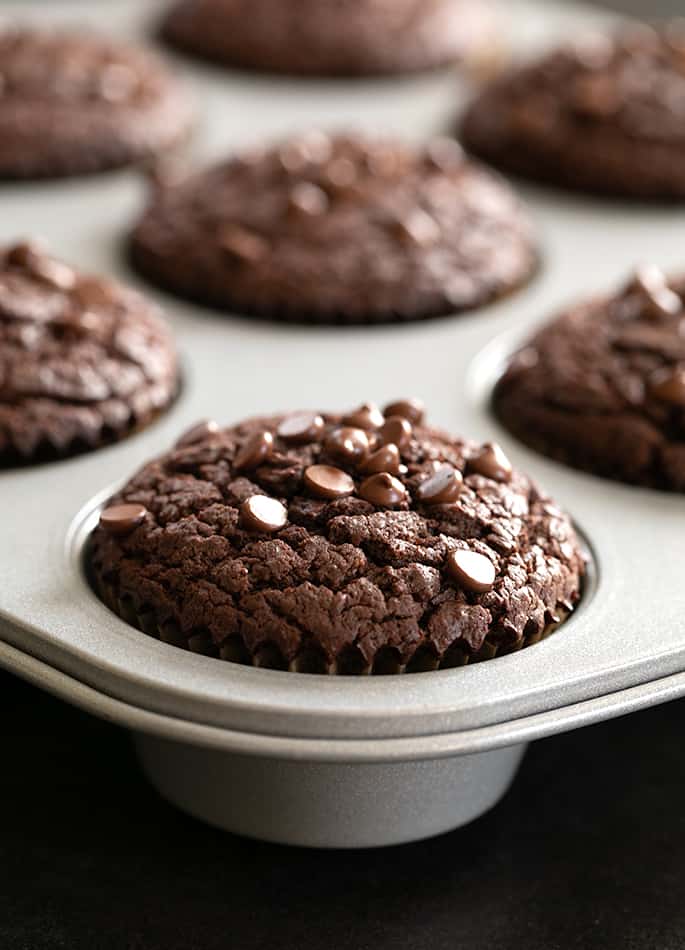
[
  {"x": 253, "y": 452},
  {"x": 471, "y": 570},
  {"x": 347, "y": 444},
  {"x": 417, "y": 228},
  {"x": 385, "y": 459},
  {"x": 669, "y": 386},
  {"x": 396, "y": 429},
  {"x": 198, "y": 432},
  {"x": 383, "y": 490},
  {"x": 242, "y": 244},
  {"x": 340, "y": 173},
  {"x": 32, "y": 259},
  {"x": 442, "y": 488},
  {"x": 308, "y": 199},
  {"x": 326, "y": 481},
  {"x": 261, "y": 513},
  {"x": 597, "y": 97},
  {"x": 368, "y": 416},
  {"x": 657, "y": 298},
  {"x": 122, "y": 519},
  {"x": 491, "y": 462},
  {"x": 300, "y": 428},
  {"x": 444, "y": 155},
  {"x": 412, "y": 409}
]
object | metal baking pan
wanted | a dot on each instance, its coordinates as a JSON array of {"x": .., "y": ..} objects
[{"x": 309, "y": 759}]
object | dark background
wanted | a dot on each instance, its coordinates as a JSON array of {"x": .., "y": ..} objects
[{"x": 586, "y": 851}]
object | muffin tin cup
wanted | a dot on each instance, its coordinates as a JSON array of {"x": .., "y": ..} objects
[{"x": 338, "y": 760}]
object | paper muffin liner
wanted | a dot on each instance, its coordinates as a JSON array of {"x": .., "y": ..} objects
[{"x": 311, "y": 657}]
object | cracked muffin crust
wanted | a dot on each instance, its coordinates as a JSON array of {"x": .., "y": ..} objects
[
  {"x": 605, "y": 114},
  {"x": 334, "y": 37},
  {"x": 602, "y": 387},
  {"x": 83, "y": 360},
  {"x": 72, "y": 103},
  {"x": 346, "y": 544},
  {"x": 338, "y": 230}
]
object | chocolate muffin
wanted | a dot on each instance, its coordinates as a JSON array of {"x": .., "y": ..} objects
[
  {"x": 339, "y": 230},
  {"x": 333, "y": 37},
  {"x": 603, "y": 387},
  {"x": 83, "y": 361},
  {"x": 604, "y": 115},
  {"x": 337, "y": 543},
  {"x": 71, "y": 103}
]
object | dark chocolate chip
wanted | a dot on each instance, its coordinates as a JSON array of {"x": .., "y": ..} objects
[
  {"x": 669, "y": 386},
  {"x": 472, "y": 571},
  {"x": 243, "y": 245},
  {"x": 396, "y": 429},
  {"x": 385, "y": 459},
  {"x": 40, "y": 265},
  {"x": 253, "y": 451},
  {"x": 347, "y": 444},
  {"x": 326, "y": 481},
  {"x": 261, "y": 513},
  {"x": 383, "y": 490},
  {"x": 442, "y": 488},
  {"x": 300, "y": 428},
  {"x": 307, "y": 199},
  {"x": 491, "y": 462},
  {"x": 417, "y": 228},
  {"x": 368, "y": 416},
  {"x": 198, "y": 432},
  {"x": 122, "y": 519},
  {"x": 412, "y": 409},
  {"x": 657, "y": 298}
]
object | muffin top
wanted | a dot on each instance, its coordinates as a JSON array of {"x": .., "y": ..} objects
[
  {"x": 82, "y": 359},
  {"x": 333, "y": 37},
  {"x": 73, "y": 103},
  {"x": 339, "y": 229},
  {"x": 603, "y": 386},
  {"x": 341, "y": 543},
  {"x": 606, "y": 113}
]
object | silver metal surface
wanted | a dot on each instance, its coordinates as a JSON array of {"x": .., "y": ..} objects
[{"x": 624, "y": 648}]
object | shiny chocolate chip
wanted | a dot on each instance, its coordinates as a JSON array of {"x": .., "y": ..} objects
[
  {"x": 442, "y": 488},
  {"x": 50, "y": 271},
  {"x": 385, "y": 459},
  {"x": 308, "y": 199},
  {"x": 396, "y": 429},
  {"x": 491, "y": 462},
  {"x": 669, "y": 386},
  {"x": 657, "y": 298},
  {"x": 347, "y": 444},
  {"x": 300, "y": 428},
  {"x": 472, "y": 571},
  {"x": 255, "y": 450},
  {"x": 368, "y": 416},
  {"x": 412, "y": 409},
  {"x": 122, "y": 519},
  {"x": 326, "y": 481},
  {"x": 198, "y": 432},
  {"x": 383, "y": 490},
  {"x": 242, "y": 244},
  {"x": 417, "y": 228},
  {"x": 261, "y": 513}
]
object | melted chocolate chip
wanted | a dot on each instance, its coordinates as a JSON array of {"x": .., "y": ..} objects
[
  {"x": 472, "y": 571},
  {"x": 442, "y": 488},
  {"x": 491, "y": 462},
  {"x": 326, "y": 481},
  {"x": 368, "y": 416},
  {"x": 198, "y": 432},
  {"x": 261, "y": 513},
  {"x": 255, "y": 450},
  {"x": 396, "y": 429},
  {"x": 347, "y": 444},
  {"x": 385, "y": 459},
  {"x": 300, "y": 428},
  {"x": 412, "y": 409},
  {"x": 383, "y": 490},
  {"x": 122, "y": 519}
]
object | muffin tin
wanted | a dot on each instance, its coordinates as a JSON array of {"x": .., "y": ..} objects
[{"x": 337, "y": 761}]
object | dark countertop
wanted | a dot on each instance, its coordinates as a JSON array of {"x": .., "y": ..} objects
[{"x": 586, "y": 851}]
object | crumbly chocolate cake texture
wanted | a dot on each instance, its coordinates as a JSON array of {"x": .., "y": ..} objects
[
  {"x": 603, "y": 114},
  {"x": 602, "y": 387},
  {"x": 83, "y": 360},
  {"x": 339, "y": 229},
  {"x": 73, "y": 103},
  {"x": 347, "y": 543},
  {"x": 335, "y": 37}
]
